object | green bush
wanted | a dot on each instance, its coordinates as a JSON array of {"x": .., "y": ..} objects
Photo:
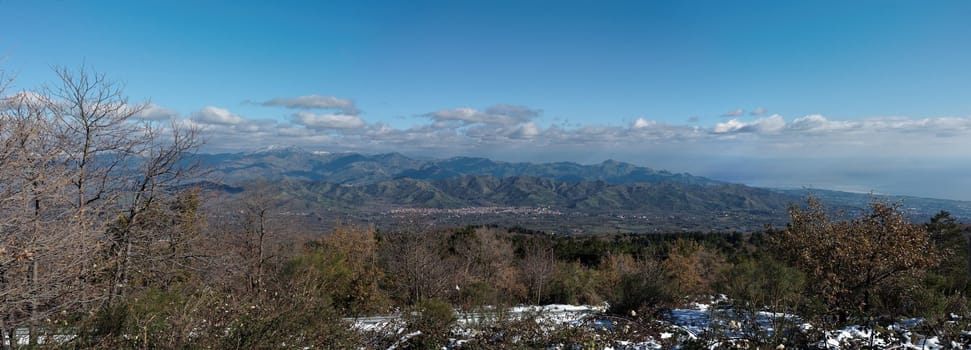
[
  {"x": 343, "y": 267},
  {"x": 151, "y": 316},
  {"x": 574, "y": 283},
  {"x": 210, "y": 319},
  {"x": 763, "y": 283},
  {"x": 642, "y": 290},
  {"x": 477, "y": 294},
  {"x": 434, "y": 318}
]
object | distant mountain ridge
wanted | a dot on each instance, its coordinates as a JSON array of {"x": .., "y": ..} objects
[
  {"x": 524, "y": 191},
  {"x": 358, "y": 169},
  {"x": 359, "y": 181}
]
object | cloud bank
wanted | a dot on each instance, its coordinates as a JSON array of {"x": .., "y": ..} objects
[
  {"x": 736, "y": 113},
  {"x": 156, "y": 112},
  {"x": 511, "y": 127},
  {"x": 327, "y": 121},
  {"x": 313, "y": 102}
]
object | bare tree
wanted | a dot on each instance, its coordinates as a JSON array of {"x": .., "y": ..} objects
[
  {"x": 489, "y": 259},
  {"x": 157, "y": 179},
  {"x": 38, "y": 265},
  {"x": 120, "y": 167},
  {"x": 78, "y": 170},
  {"x": 254, "y": 222},
  {"x": 416, "y": 264},
  {"x": 538, "y": 268},
  {"x": 92, "y": 116}
]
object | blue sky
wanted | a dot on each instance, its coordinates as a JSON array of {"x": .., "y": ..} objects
[{"x": 861, "y": 95}]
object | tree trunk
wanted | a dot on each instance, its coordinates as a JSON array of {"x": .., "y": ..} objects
[
  {"x": 13, "y": 338},
  {"x": 34, "y": 274},
  {"x": 967, "y": 237},
  {"x": 34, "y": 313},
  {"x": 3, "y": 331},
  {"x": 126, "y": 271},
  {"x": 116, "y": 276},
  {"x": 121, "y": 271},
  {"x": 259, "y": 262}
]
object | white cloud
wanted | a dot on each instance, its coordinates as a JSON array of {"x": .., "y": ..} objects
[
  {"x": 515, "y": 111},
  {"x": 641, "y": 123},
  {"x": 816, "y": 123},
  {"x": 771, "y": 124},
  {"x": 729, "y": 126},
  {"x": 809, "y": 122},
  {"x": 215, "y": 115},
  {"x": 495, "y": 115},
  {"x": 469, "y": 116},
  {"x": 758, "y": 111},
  {"x": 156, "y": 112},
  {"x": 314, "y": 102},
  {"x": 525, "y": 131},
  {"x": 736, "y": 113},
  {"x": 328, "y": 121},
  {"x": 22, "y": 98}
]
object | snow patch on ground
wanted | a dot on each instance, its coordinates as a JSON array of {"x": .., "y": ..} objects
[{"x": 714, "y": 320}]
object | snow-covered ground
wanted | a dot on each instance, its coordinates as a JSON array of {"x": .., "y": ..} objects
[
  {"x": 22, "y": 336},
  {"x": 552, "y": 314},
  {"x": 713, "y": 325}
]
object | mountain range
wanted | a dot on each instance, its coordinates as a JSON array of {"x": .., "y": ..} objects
[
  {"x": 527, "y": 191},
  {"x": 358, "y": 182},
  {"x": 358, "y": 169}
]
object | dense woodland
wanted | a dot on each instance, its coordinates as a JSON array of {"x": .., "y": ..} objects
[{"x": 102, "y": 240}]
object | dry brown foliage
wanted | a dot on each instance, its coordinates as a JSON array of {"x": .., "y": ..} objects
[
  {"x": 692, "y": 269},
  {"x": 848, "y": 261}
]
